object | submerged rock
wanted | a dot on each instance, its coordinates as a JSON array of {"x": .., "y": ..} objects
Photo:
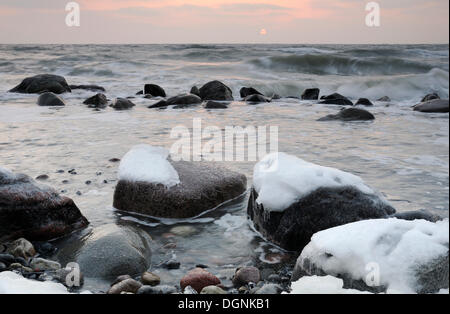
[
  {"x": 407, "y": 256},
  {"x": 433, "y": 106},
  {"x": 184, "y": 100},
  {"x": 257, "y": 99},
  {"x": 296, "y": 199},
  {"x": 109, "y": 251},
  {"x": 429, "y": 97},
  {"x": 92, "y": 88},
  {"x": 336, "y": 99},
  {"x": 35, "y": 211},
  {"x": 311, "y": 94},
  {"x": 364, "y": 102},
  {"x": 42, "y": 83},
  {"x": 195, "y": 91},
  {"x": 154, "y": 90},
  {"x": 50, "y": 100},
  {"x": 122, "y": 104},
  {"x": 159, "y": 104},
  {"x": 215, "y": 105},
  {"x": 350, "y": 114},
  {"x": 384, "y": 99},
  {"x": 247, "y": 91},
  {"x": 198, "y": 279},
  {"x": 96, "y": 101},
  {"x": 216, "y": 90}
]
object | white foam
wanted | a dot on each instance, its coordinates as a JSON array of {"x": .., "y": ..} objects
[
  {"x": 145, "y": 163},
  {"x": 281, "y": 179},
  {"x": 393, "y": 248},
  {"x": 12, "y": 283}
]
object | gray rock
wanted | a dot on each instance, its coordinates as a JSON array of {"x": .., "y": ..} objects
[
  {"x": 247, "y": 91},
  {"x": 433, "y": 106},
  {"x": 350, "y": 114},
  {"x": 246, "y": 275},
  {"x": 122, "y": 104},
  {"x": 216, "y": 90},
  {"x": 429, "y": 97},
  {"x": 311, "y": 94},
  {"x": 364, "y": 102},
  {"x": 21, "y": 248},
  {"x": 157, "y": 290},
  {"x": 184, "y": 100},
  {"x": 269, "y": 288},
  {"x": 336, "y": 99},
  {"x": 203, "y": 186},
  {"x": 109, "y": 251},
  {"x": 40, "y": 264},
  {"x": 154, "y": 90},
  {"x": 50, "y": 100},
  {"x": 96, "y": 101},
  {"x": 42, "y": 83}
]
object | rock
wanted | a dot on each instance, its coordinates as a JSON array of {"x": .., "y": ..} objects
[
  {"x": 154, "y": 90},
  {"x": 7, "y": 259},
  {"x": 336, "y": 99},
  {"x": 159, "y": 104},
  {"x": 35, "y": 211},
  {"x": 21, "y": 248},
  {"x": 50, "y": 100},
  {"x": 184, "y": 231},
  {"x": 189, "y": 290},
  {"x": 274, "y": 278},
  {"x": 269, "y": 288},
  {"x": 122, "y": 104},
  {"x": 96, "y": 101},
  {"x": 203, "y": 186},
  {"x": 19, "y": 267},
  {"x": 350, "y": 114},
  {"x": 419, "y": 214},
  {"x": 141, "y": 92},
  {"x": 44, "y": 248},
  {"x": 246, "y": 275},
  {"x": 216, "y": 90},
  {"x": 184, "y": 100},
  {"x": 109, "y": 251},
  {"x": 128, "y": 285},
  {"x": 384, "y": 99},
  {"x": 91, "y": 88},
  {"x": 67, "y": 278},
  {"x": 40, "y": 264},
  {"x": 247, "y": 91},
  {"x": 198, "y": 279},
  {"x": 157, "y": 290},
  {"x": 42, "y": 83},
  {"x": 433, "y": 106},
  {"x": 429, "y": 97},
  {"x": 171, "y": 264},
  {"x": 120, "y": 279},
  {"x": 3, "y": 267},
  {"x": 150, "y": 279},
  {"x": 257, "y": 99},
  {"x": 383, "y": 247},
  {"x": 311, "y": 94},
  {"x": 42, "y": 177},
  {"x": 195, "y": 91},
  {"x": 364, "y": 102},
  {"x": 215, "y": 105},
  {"x": 213, "y": 290}
]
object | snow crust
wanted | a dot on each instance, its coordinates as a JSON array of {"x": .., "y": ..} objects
[{"x": 12, "y": 283}]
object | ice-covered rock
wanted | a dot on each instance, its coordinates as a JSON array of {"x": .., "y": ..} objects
[
  {"x": 34, "y": 211},
  {"x": 153, "y": 185},
  {"x": 292, "y": 199},
  {"x": 376, "y": 255}
]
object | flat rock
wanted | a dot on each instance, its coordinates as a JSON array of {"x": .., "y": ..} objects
[
  {"x": 91, "y": 88},
  {"x": 433, "y": 106},
  {"x": 50, "y": 100},
  {"x": 350, "y": 114},
  {"x": 42, "y": 83}
]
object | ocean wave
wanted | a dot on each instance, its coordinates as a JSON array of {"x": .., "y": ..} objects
[{"x": 342, "y": 65}]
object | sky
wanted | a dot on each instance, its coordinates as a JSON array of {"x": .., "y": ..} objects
[{"x": 224, "y": 21}]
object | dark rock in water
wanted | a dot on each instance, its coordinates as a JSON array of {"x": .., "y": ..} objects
[
  {"x": 203, "y": 186},
  {"x": 3, "y": 267},
  {"x": 154, "y": 90},
  {"x": 42, "y": 83},
  {"x": 91, "y": 88},
  {"x": 195, "y": 91},
  {"x": 384, "y": 99},
  {"x": 109, "y": 251},
  {"x": 44, "y": 249},
  {"x": 247, "y": 91},
  {"x": 50, "y": 100},
  {"x": 322, "y": 209},
  {"x": 159, "y": 104},
  {"x": 171, "y": 264},
  {"x": 364, "y": 102},
  {"x": 257, "y": 99},
  {"x": 126, "y": 286},
  {"x": 276, "y": 96},
  {"x": 311, "y": 94},
  {"x": 35, "y": 211},
  {"x": 350, "y": 114},
  {"x": 429, "y": 97},
  {"x": 122, "y": 104},
  {"x": 42, "y": 177},
  {"x": 433, "y": 106},
  {"x": 418, "y": 214},
  {"x": 198, "y": 279},
  {"x": 114, "y": 160},
  {"x": 336, "y": 99},
  {"x": 184, "y": 100},
  {"x": 215, "y": 105},
  {"x": 141, "y": 92},
  {"x": 216, "y": 90},
  {"x": 246, "y": 275},
  {"x": 96, "y": 101},
  {"x": 7, "y": 259},
  {"x": 157, "y": 290}
]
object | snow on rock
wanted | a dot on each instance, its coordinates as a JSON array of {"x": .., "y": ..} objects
[
  {"x": 409, "y": 256},
  {"x": 281, "y": 179},
  {"x": 321, "y": 285},
  {"x": 12, "y": 283},
  {"x": 145, "y": 163}
]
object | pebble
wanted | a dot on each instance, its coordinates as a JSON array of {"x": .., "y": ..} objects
[
  {"x": 157, "y": 290},
  {"x": 21, "y": 248},
  {"x": 199, "y": 278},
  {"x": 183, "y": 231},
  {"x": 213, "y": 290},
  {"x": 171, "y": 264},
  {"x": 246, "y": 275},
  {"x": 40, "y": 264},
  {"x": 150, "y": 279},
  {"x": 60, "y": 171},
  {"x": 65, "y": 181},
  {"x": 42, "y": 177},
  {"x": 88, "y": 182},
  {"x": 114, "y": 160},
  {"x": 128, "y": 285}
]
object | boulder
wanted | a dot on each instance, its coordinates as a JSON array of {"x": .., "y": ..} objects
[
  {"x": 381, "y": 255},
  {"x": 247, "y": 91},
  {"x": 292, "y": 199},
  {"x": 255, "y": 99},
  {"x": 35, "y": 211},
  {"x": 122, "y": 104},
  {"x": 429, "y": 97},
  {"x": 198, "y": 279},
  {"x": 364, "y": 102},
  {"x": 173, "y": 189},
  {"x": 311, "y": 94},
  {"x": 42, "y": 83},
  {"x": 96, "y": 101},
  {"x": 154, "y": 90},
  {"x": 350, "y": 114},
  {"x": 92, "y": 88},
  {"x": 336, "y": 99},
  {"x": 384, "y": 99},
  {"x": 184, "y": 100},
  {"x": 216, "y": 90},
  {"x": 215, "y": 105},
  {"x": 433, "y": 106},
  {"x": 109, "y": 251},
  {"x": 50, "y": 100},
  {"x": 195, "y": 91}
]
